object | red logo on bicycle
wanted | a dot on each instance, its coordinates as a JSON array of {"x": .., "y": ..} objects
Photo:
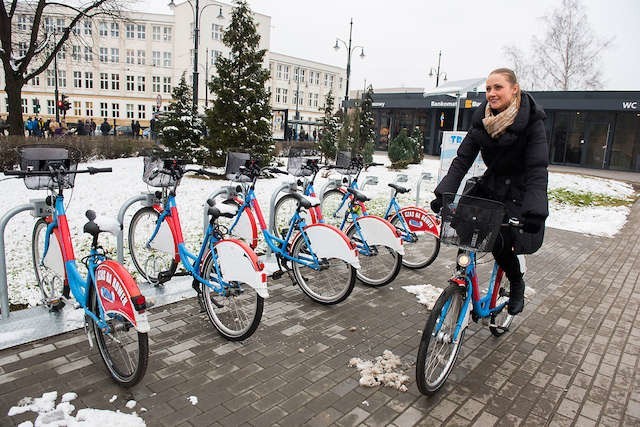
[
  {"x": 418, "y": 220},
  {"x": 113, "y": 295}
]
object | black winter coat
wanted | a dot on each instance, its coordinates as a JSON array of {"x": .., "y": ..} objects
[{"x": 517, "y": 174}]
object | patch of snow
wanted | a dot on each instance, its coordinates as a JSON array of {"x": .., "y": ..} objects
[
  {"x": 426, "y": 294},
  {"x": 381, "y": 371},
  {"x": 193, "y": 400},
  {"x": 68, "y": 397},
  {"x": 131, "y": 404},
  {"x": 113, "y": 398}
]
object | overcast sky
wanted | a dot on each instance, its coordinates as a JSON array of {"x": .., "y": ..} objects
[{"x": 402, "y": 38}]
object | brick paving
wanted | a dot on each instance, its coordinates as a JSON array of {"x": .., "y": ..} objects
[{"x": 570, "y": 359}]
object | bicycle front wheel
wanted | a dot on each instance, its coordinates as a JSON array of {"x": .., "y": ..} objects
[
  {"x": 379, "y": 265},
  {"x": 438, "y": 348},
  {"x": 124, "y": 350},
  {"x": 420, "y": 250},
  {"x": 331, "y": 283},
  {"x": 285, "y": 208},
  {"x": 153, "y": 258},
  {"x": 236, "y": 310},
  {"x": 49, "y": 271},
  {"x": 331, "y": 211}
]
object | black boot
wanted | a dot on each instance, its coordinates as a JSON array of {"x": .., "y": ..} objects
[{"x": 516, "y": 297}]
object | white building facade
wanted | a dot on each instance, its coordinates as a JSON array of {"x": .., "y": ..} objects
[{"x": 125, "y": 69}]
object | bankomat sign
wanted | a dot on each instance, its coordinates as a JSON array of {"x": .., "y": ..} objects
[{"x": 631, "y": 105}]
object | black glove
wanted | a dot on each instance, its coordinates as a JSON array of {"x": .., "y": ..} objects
[
  {"x": 436, "y": 205},
  {"x": 532, "y": 223}
]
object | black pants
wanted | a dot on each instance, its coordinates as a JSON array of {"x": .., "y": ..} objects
[{"x": 504, "y": 256}]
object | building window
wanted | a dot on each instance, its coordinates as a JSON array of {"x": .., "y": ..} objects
[
  {"x": 88, "y": 106},
  {"x": 115, "y": 110},
  {"x": 36, "y": 80},
  {"x": 215, "y": 54},
  {"x": 326, "y": 79},
  {"x": 25, "y": 106},
  {"x": 51, "y": 106},
  {"x": 35, "y": 103},
  {"x": 88, "y": 54},
  {"x": 87, "y": 27},
  {"x": 77, "y": 108},
  {"x": 51, "y": 81},
  {"x": 130, "y": 84},
  {"x": 77, "y": 29},
  {"x": 76, "y": 53},
  {"x": 104, "y": 81},
  {"x": 315, "y": 99},
  {"x": 24, "y": 22},
  {"x": 115, "y": 29},
  {"x": 216, "y": 32},
  {"x": 77, "y": 79},
  {"x": 156, "y": 83},
  {"x": 167, "y": 59},
  {"x": 104, "y": 54},
  {"x": 130, "y": 31},
  {"x": 142, "y": 32},
  {"x": 141, "y": 111},
  {"x": 285, "y": 73},
  {"x": 88, "y": 79},
  {"x": 103, "y": 29},
  {"x": 62, "y": 78},
  {"x": 278, "y": 92},
  {"x": 115, "y": 81},
  {"x": 141, "y": 57},
  {"x": 131, "y": 56},
  {"x": 155, "y": 58},
  {"x": 284, "y": 95},
  {"x": 62, "y": 53},
  {"x": 340, "y": 84},
  {"x": 331, "y": 81},
  {"x": 167, "y": 84},
  {"x": 302, "y": 70},
  {"x": 22, "y": 48},
  {"x": 103, "y": 109},
  {"x": 310, "y": 99},
  {"x": 130, "y": 114},
  {"x": 167, "y": 34},
  {"x": 115, "y": 55},
  {"x": 141, "y": 85},
  {"x": 59, "y": 24},
  {"x": 49, "y": 26},
  {"x": 156, "y": 32},
  {"x": 296, "y": 74},
  {"x": 279, "y": 71}
]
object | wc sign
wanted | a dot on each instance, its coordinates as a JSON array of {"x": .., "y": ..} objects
[
  {"x": 450, "y": 143},
  {"x": 631, "y": 105}
]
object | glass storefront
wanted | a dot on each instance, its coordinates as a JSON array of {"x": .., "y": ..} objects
[{"x": 625, "y": 147}]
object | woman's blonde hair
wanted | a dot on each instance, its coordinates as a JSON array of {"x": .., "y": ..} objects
[{"x": 510, "y": 75}]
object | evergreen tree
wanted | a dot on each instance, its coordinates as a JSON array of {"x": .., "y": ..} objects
[
  {"x": 329, "y": 129},
  {"x": 350, "y": 132},
  {"x": 241, "y": 115},
  {"x": 182, "y": 130},
  {"x": 367, "y": 134}
]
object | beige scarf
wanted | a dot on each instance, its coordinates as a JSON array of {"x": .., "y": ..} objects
[{"x": 496, "y": 125}]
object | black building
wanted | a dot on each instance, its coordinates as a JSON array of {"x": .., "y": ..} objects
[{"x": 596, "y": 129}]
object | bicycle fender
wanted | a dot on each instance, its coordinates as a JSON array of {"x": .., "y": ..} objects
[
  {"x": 328, "y": 241},
  {"x": 379, "y": 231},
  {"x": 420, "y": 221},
  {"x": 116, "y": 288},
  {"x": 239, "y": 263}
]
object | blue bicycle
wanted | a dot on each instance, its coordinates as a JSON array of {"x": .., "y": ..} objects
[
  {"x": 472, "y": 224},
  {"x": 227, "y": 276}
]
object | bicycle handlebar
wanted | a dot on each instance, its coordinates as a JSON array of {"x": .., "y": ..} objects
[{"x": 89, "y": 170}]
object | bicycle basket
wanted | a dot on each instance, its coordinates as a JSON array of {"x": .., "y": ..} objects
[
  {"x": 298, "y": 158},
  {"x": 232, "y": 165},
  {"x": 470, "y": 222},
  {"x": 153, "y": 164},
  {"x": 44, "y": 157},
  {"x": 346, "y": 165}
]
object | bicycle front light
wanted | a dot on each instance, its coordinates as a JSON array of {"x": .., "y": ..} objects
[{"x": 464, "y": 260}]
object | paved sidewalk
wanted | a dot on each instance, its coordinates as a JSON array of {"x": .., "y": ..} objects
[{"x": 570, "y": 359}]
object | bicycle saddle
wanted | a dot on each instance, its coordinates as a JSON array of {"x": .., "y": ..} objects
[
  {"x": 97, "y": 225},
  {"x": 358, "y": 195},
  {"x": 222, "y": 209},
  {"x": 306, "y": 201},
  {"x": 399, "y": 188}
]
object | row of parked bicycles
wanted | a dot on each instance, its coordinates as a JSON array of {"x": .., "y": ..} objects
[{"x": 321, "y": 243}]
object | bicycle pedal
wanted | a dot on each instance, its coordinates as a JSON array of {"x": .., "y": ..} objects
[
  {"x": 56, "y": 305},
  {"x": 277, "y": 274}
]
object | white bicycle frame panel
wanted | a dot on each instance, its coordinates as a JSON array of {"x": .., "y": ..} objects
[
  {"x": 53, "y": 258},
  {"x": 164, "y": 240}
]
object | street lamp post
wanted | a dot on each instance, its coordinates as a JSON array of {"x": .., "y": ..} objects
[
  {"x": 197, "y": 14},
  {"x": 349, "y": 50},
  {"x": 437, "y": 71}
]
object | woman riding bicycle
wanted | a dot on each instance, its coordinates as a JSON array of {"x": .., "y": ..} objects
[{"x": 508, "y": 131}]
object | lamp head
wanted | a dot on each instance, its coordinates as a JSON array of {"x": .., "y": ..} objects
[
  {"x": 220, "y": 15},
  {"x": 172, "y": 5},
  {"x": 362, "y": 53},
  {"x": 337, "y": 46},
  {"x": 445, "y": 77},
  {"x": 431, "y": 72}
]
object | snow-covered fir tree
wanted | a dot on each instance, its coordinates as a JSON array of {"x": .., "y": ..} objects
[
  {"x": 367, "y": 134},
  {"x": 329, "y": 129},
  {"x": 241, "y": 115},
  {"x": 181, "y": 130}
]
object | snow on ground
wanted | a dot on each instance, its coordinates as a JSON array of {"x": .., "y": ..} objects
[
  {"x": 426, "y": 294},
  {"x": 384, "y": 370},
  {"x": 105, "y": 193},
  {"x": 48, "y": 414}
]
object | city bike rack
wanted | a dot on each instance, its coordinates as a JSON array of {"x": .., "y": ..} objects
[
  {"x": 228, "y": 191},
  {"x": 38, "y": 209},
  {"x": 425, "y": 176},
  {"x": 147, "y": 199}
]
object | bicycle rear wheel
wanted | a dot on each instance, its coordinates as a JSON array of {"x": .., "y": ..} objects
[
  {"x": 236, "y": 311},
  {"x": 50, "y": 271},
  {"x": 330, "y": 284},
  {"x": 285, "y": 208},
  {"x": 331, "y": 201},
  {"x": 150, "y": 260},
  {"x": 438, "y": 351},
  {"x": 420, "y": 250},
  {"x": 124, "y": 350},
  {"x": 379, "y": 265}
]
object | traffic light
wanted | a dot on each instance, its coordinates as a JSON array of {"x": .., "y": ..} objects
[
  {"x": 60, "y": 105},
  {"x": 66, "y": 105}
]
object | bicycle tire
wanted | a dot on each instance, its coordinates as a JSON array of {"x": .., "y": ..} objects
[
  {"x": 329, "y": 206},
  {"x": 420, "y": 253},
  {"x": 380, "y": 267},
  {"x": 332, "y": 284},
  {"x": 149, "y": 262},
  {"x": 114, "y": 347},
  {"x": 237, "y": 314},
  {"x": 285, "y": 207},
  {"x": 51, "y": 284},
  {"x": 427, "y": 353}
]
